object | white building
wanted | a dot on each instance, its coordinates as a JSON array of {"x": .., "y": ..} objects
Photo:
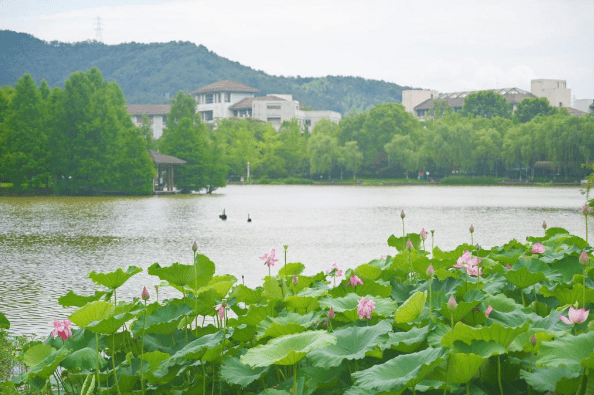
[
  {"x": 555, "y": 91},
  {"x": 413, "y": 97},
  {"x": 585, "y": 105},
  {"x": 156, "y": 113},
  {"x": 231, "y": 99}
]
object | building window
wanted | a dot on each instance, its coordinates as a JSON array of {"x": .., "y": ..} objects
[
  {"x": 209, "y": 99},
  {"x": 308, "y": 122},
  {"x": 273, "y": 119},
  {"x": 227, "y": 98},
  {"x": 207, "y": 116},
  {"x": 273, "y": 107}
]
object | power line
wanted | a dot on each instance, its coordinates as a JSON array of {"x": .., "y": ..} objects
[{"x": 98, "y": 34}]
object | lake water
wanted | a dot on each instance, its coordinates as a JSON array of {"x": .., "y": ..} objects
[{"x": 48, "y": 245}]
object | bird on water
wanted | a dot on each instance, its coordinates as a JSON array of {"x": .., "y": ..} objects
[
  {"x": 223, "y": 216},
  {"x": 249, "y": 219}
]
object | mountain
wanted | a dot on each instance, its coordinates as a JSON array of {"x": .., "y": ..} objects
[{"x": 150, "y": 73}]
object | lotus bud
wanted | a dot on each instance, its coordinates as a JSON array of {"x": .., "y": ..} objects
[
  {"x": 544, "y": 225},
  {"x": 285, "y": 246},
  {"x": 430, "y": 271},
  {"x": 145, "y": 295},
  {"x": 331, "y": 313},
  {"x": 423, "y": 234},
  {"x": 488, "y": 311},
  {"x": 533, "y": 340},
  {"x": 452, "y": 303},
  {"x": 471, "y": 229},
  {"x": 432, "y": 232},
  {"x": 586, "y": 209},
  {"x": 295, "y": 279},
  {"x": 584, "y": 258},
  {"x": 508, "y": 267},
  {"x": 409, "y": 245},
  {"x": 402, "y": 215},
  {"x": 195, "y": 247}
]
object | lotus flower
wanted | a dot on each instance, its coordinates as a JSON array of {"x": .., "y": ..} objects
[
  {"x": 576, "y": 316},
  {"x": 452, "y": 303},
  {"x": 584, "y": 258},
  {"x": 538, "y": 248},
  {"x": 470, "y": 264},
  {"x": 334, "y": 271},
  {"x": 409, "y": 245},
  {"x": 144, "y": 294},
  {"x": 354, "y": 280},
  {"x": 295, "y": 279},
  {"x": 488, "y": 311},
  {"x": 430, "y": 270},
  {"x": 365, "y": 308},
  {"x": 331, "y": 313},
  {"x": 62, "y": 329},
  {"x": 269, "y": 259},
  {"x": 221, "y": 309},
  {"x": 508, "y": 267},
  {"x": 533, "y": 340},
  {"x": 423, "y": 234},
  {"x": 471, "y": 229},
  {"x": 586, "y": 209}
]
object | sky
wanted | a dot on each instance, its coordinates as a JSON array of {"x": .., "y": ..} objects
[{"x": 448, "y": 46}]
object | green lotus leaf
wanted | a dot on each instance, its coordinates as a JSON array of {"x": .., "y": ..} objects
[
  {"x": 4, "y": 323},
  {"x": 502, "y": 303},
  {"x": 84, "y": 359},
  {"x": 351, "y": 343},
  {"x": 348, "y": 302},
  {"x": 302, "y": 303},
  {"x": 47, "y": 361},
  {"x": 401, "y": 372},
  {"x": 286, "y": 325},
  {"x": 407, "y": 342},
  {"x": 246, "y": 295},
  {"x": 221, "y": 288},
  {"x": 354, "y": 390},
  {"x": 461, "y": 368},
  {"x": 523, "y": 340},
  {"x": 274, "y": 391},
  {"x": 195, "y": 276},
  {"x": 411, "y": 309},
  {"x": 367, "y": 272},
  {"x": 567, "y": 350},
  {"x": 567, "y": 294},
  {"x": 234, "y": 372},
  {"x": 523, "y": 278},
  {"x": 256, "y": 314},
  {"x": 115, "y": 279},
  {"x": 154, "y": 359},
  {"x": 93, "y": 311},
  {"x": 37, "y": 353},
  {"x": 482, "y": 348},
  {"x": 547, "y": 378},
  {"x": 460, "y": 311},
  {"x": 496, "y": 332},
  {"x": 163, "y": 320},
  {"x": 400, "y": 242},
  {"x": 205, "y": 302},
  {"x": 243, "y": 333},
  {"x": 73, "y": 300},
  {"x": 292, "y": 269},
  {"x": 374, "y": 288},
  {"x": 437, "y": 331},
  {"x": 110, "y": 325},
  {"x": 272, "y": 290},
  {"x": 287, "y": 350}
]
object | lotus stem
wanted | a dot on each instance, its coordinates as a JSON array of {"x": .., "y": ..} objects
[
  {"x": 430, "y": 299},
  {"x": 584, "y": 293},
  {"x": 142, "y": 351},
  {"x": 523, "y": 299},
  {"x": 499, "y": 374},
  {"x": 97, "y": 349},
  {"x": 295, "y": 378},
  {"x": 467, "y": 388},
  {"x": 115, "y": 374}
]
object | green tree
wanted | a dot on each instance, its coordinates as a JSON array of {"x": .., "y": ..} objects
[
  {"x": 533, "y": 107},
  {"x": 440, "y": 109},
  {"x": 322, "y": 151},
  {"x": 293, "y": 148},
  {"x": 350, "y": 157},
  {"x": 216, "y": 166},
  {"x": 486, "y": 104},
  {"x": 242, "y": 147},
  {"x": 147, "y": 133},
  {"x": 401, "y": 150}
]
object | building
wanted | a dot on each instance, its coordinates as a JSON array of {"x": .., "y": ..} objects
[
  {"x": 455, "y": 100},
  {"x": 413, "y": 97},
  {"x": 232, "y": 99},
  {"x": 585, "y": 105},
  {"x": 555, "y": 91},
  {"x": 156, "y": 113}
]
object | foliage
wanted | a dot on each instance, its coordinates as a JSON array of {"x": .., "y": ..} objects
[
  {"x": 532, "y": 107},
  {"x": 299, "y": 334},
  {"x": 486, "y": 104}
]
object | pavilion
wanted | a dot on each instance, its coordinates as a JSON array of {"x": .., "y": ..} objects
[{"x": 163, "y": 182}]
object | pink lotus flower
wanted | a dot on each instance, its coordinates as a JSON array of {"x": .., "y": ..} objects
[
  {"x": 586, "y": 209},
  {"x": 452, "y": 303},
  {"x": 544, "y": 225},
  {"x": 488, "y": 311},
  {"x": 584, "y": 258},
  {"x": 334, "y": 271},
  {"x": 144, "y": 294},
  {"x": 533, "y": 340},
  {"x": 430, "y": 270},
  {"x": 331, "y": 313},
  {"x": 269, "y": 259},
  {"x": 423, "y": 234},
  {"x": 221, "y": 309},
  {"x": 365, "y": 308},
  {"x": 354, "y": 280},
  {"x": 576, "y": 316},
  {"x": 295, "y": 279},
  {"x": 62, "y": 329},
  {"x": 538, "y": 248},
  {"x": 470, "y": 264},
  {"x": 474, "y": 271},
  {"x": 409, "y": 245},
  {"x": 508, "y": 267}
]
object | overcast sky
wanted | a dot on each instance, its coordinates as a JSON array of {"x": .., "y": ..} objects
[{"x": 449, "y": 46}]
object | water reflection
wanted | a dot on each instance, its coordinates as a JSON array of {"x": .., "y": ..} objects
[{"x": 49, "y": 245}]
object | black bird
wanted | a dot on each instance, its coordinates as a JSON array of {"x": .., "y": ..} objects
[
  {"x": 223, "y": 216},
  {"x": 249, "y": 219}
]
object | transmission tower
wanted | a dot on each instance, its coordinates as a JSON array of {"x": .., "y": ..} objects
[{"x": 98, "y": 34}]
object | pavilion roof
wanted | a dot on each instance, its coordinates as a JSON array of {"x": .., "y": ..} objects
[{"x": 162, "y": 159}]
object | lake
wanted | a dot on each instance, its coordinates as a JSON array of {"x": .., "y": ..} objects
[{"x": 48, "y": 245}]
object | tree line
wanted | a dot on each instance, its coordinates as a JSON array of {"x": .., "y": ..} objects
[{"x": 81, "y": 140}]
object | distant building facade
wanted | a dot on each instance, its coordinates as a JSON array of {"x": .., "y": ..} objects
[
  {"x": 413, "y": 97},
  {"x": 585, "y": 105},
  {"x": 156, "y": 113},
  {"x": 555, "y": 91},
  {"x": 232, "y": 99}
]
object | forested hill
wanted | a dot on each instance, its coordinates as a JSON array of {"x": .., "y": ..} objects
[{"x": 147, "y": 72}]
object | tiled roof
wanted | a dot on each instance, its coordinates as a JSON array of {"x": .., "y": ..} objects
[
  {"x": 575, "y": 111},
  {"x": 247, "y": 102},
  {"x": 456, "y": 99},
  {"x": 226, "y": 86},
  {"x": 149, "y": 109},
  {"x": 162, "y": 159}
]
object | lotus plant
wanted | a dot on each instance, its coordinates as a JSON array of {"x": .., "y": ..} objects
[
  {"x": 269, "y": 259},
  {"x": 538, "y": 248},
  {"x": 365, "y": 308},
  {"x": 576, "y": 316},
  {"x": 354, "y": 280},
  {"x": 423, "y": 235},
  {"x": 586, "y": 211},
  {"x": 471, "y": 230},
  {"x": 62, "y": 329}
]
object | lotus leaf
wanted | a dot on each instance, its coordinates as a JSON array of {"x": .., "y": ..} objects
[
  {"x": 374, "y": 288},
  {"x": 460, "y": 368},
  {"x": 195, "y": 276},
  {"x": 291, "y": 269},
  {"x": 482, "y": 348},
  {"x": 234, "y": 372},
  {"x": 523, "y": 278},
  {"x": 301, "y": 303},
  {"x": 4, "y": 323},
  {"x": 547, "y": 378},
  {"x": 407, "y": 342},
  {"x": 567, "y": 350},
  {"x": 115, "y": 279},
  {"x": 272, "y": 289},
  {"x": 496, "y": 332},
  {"x": 73, "y": 300},
  {"x": 84, "y": 359},
  {"x": 287, "y": 350},
  {"x": 351, "y": 343},
  {"x": 367, "y": 272},
  {"x": 46, "y": 365},
  {"x": 285, "y": 325},
  {"x": 459, "y": 312},
  {"x": 401, "y": 372},
  {"x": 567, "y": 294},
  {"x": 93, "y": 311},
  {"x": 163, "y": 320},
  {"x": 411, "y": 309}
]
